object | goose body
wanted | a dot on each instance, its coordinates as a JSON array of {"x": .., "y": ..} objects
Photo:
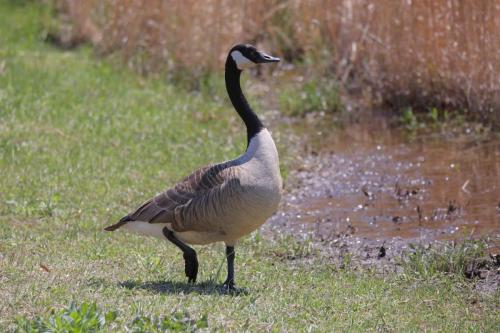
[{"x": 219, "y": 202}]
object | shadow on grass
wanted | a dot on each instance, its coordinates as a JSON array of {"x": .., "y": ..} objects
[{"x": 171, "y": 287}]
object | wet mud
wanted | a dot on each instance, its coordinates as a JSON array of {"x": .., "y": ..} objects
[{"x": 372, "y": 189}]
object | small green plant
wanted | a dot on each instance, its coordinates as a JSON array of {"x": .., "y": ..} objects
[
  {"x": 178, "y": 322},
  {"x": 346, "y": 261},
  {"x": 74, "y": 318},
  {"x": 408, "y": 119},
  {"x": 434, "y": 115},
  {"x": 313, "y": 96},
  {"x": 462, "y": 259},
  {"x": 87, "y": 318},
  {"x": 290, "y": 248},
  {"x": 41, "y": 208}
]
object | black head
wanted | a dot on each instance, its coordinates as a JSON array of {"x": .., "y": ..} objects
[{"x": 245, "y": 56}]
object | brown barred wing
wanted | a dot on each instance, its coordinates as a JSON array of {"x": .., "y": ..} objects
[
  {"x": 207, "y": 211},
  {"x": 164, "y": 207}
]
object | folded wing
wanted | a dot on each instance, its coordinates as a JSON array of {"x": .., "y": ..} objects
[{"x": 193, "y": 203}]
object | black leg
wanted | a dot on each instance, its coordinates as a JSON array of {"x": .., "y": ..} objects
[
  {"x": 229, "y": 284},
  {"x": 190, "y": 260}
]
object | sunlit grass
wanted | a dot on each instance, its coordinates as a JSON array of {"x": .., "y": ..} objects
[
  {"x": 82, "y": 142},
  {"x": 315, "y": 95},
  {"x": 464, "y": 258}
]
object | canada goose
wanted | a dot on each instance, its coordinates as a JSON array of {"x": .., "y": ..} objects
[{"x": 220, "y": 202}]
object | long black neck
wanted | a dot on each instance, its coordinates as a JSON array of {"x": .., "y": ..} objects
[{"x": 252, "y": 122}]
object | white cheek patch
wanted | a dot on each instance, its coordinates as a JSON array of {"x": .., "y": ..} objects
[{"x": 241, "y": 61}]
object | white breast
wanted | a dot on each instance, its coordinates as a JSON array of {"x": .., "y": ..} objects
[
  {"x": 260, "y": 163},
  {"x": 261, "y": 177}
]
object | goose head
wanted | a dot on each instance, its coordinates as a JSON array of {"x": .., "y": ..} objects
[{"x": 245, "y": 56}]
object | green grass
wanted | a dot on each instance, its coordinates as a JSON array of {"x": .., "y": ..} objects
[
  {"x": 74, "y": 318},
  {"x": 313, "y": 95},
  {"x": 88, "y": 318},
  {"x": 451, "y": 258},
  {"x": 84, "y": 141}
]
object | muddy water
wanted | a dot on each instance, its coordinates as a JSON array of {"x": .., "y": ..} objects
[{"x": 376, "y": 182}]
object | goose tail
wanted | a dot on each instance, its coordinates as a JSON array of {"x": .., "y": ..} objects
[{"x": 120, "y": 223}]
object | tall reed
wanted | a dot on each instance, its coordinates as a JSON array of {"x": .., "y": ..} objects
[{"x": 427, "y": 52}]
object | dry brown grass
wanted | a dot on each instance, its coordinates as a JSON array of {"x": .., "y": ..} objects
[{"x": 427, "y": 52}]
